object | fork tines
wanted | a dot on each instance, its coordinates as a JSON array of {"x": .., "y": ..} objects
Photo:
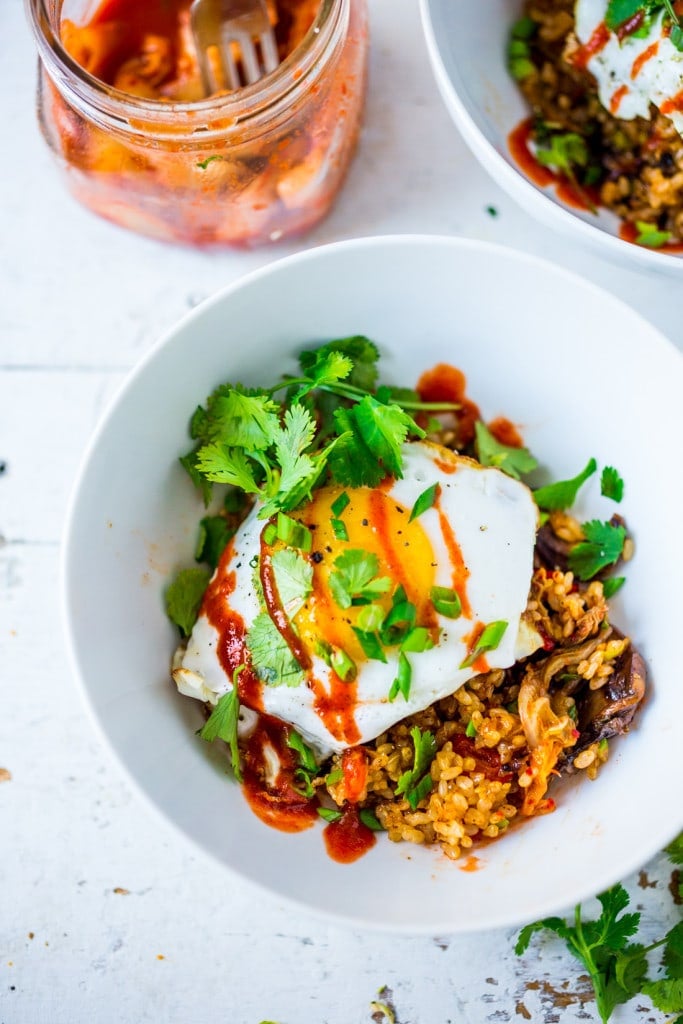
[{"x": 235, "y": 42}]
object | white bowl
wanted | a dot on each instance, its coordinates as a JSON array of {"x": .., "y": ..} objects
[
  {"x": 467, "y": 46},
  {"x": 582, "y": 373}
]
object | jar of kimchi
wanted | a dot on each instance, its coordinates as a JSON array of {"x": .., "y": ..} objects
[{"x": 121, "y": 105}]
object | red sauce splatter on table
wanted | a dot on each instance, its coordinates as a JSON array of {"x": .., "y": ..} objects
[{"x": 348, "y": 839}]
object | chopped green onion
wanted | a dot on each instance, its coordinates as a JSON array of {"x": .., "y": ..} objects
[
  {"x": 471, "y": 729},
  {"x": 401, "y": 683},
  {"x": 370, "y": 618},
  {"x": 446, "y": 602},
  {"x": 270, "y": 534},
  {"x": 521, "y": 68},
  {"x": 524, "y": 28},
  {"x": 328, "y": 814},
  {"x": 398, "y": 623},
  {"x": 334, "y": 777},
  {"x": 425, "y": 501},
  {"x": 488, "y": 641},
  {"x": 370, "y": 644},
  {"x": 339, "y": 529},
  {"x": 344, "y": 666},
  {"x": 339, "y": 504},
  {"x": 603, "y": 745},
  {"x": 369, "y": 820},
  {"x": 293, "y": 534},
  {"x": 417, "y": 640}
]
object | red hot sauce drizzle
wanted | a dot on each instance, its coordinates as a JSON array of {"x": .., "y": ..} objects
[
  {"x": 348, "y": 839},
  {"x": 274, "y": 796},
  {"x": 585, "y": 198}
]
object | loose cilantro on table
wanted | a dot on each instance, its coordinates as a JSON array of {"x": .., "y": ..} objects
[
  {"x": 514, "y": 461},
  {"x": 602, "y": 547},
  {"x": 617, "y": 968},
  {"x": 222, "y": 724},
  {"x": 563, "y": 493},
  {"x": 183, "y": 597},
  {"x": 416, "y": 783},
  {"x": 611, "y": 484}
]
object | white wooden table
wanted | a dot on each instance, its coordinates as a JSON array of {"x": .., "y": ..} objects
[{"x": 104, "y": 915}]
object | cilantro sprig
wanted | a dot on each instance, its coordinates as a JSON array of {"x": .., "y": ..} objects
[
  {"x": 329, "y": 422},
  {"x": 602, "y": 547},
  {"x": 639, "y": 13},
  {"x": 618, "y": 969},
  {"x": 416, "y": 783},
  {"x": 223, "y": 721},
  {"x": 515, "y": 462}
]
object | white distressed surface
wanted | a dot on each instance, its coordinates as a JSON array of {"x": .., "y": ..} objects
[{"x": 80, "y": 302}]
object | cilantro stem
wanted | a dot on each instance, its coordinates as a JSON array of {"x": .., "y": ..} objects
[{"x": 358, "y": 394}]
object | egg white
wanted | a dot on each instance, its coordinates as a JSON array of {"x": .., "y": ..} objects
[{"x": 494, "y": 519}]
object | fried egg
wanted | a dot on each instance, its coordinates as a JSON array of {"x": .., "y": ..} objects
[
  {"x": 633, "y": 72},
  {"x": 474, "y": 540}
]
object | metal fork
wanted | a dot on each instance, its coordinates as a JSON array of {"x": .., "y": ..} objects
[{"x": 234, "y": 40}]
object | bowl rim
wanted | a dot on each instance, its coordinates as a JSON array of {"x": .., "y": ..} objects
[
  {"x": 70, "y": 542},
  {"x": 535, "y": 200}
]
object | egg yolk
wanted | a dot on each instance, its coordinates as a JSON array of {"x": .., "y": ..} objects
[{"x": 377, "y": 524}]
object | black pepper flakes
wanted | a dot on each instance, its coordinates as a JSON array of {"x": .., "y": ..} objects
[{"x": 317, "y": 557}]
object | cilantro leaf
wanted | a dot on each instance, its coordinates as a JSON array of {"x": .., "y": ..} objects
[
  {"x": 359, "y": 349},
  {"x": 223, "y": 465},
  {"x": 355, "y": 575},
  {"x": 294, "y": 579},
  {"x": 602, "y": 547},
  {"x": 242, "y": 420},
  {"x": 611, "y": 484},
  {"x": 214, "y": 534},
  {"x": 222, "y": 724},
  {"x": 183, "y": 597},
  {"x": 666, "y": 994},
  {"x": 189, "y": 464},
  {"x": 271, "y": 657},
  {"x": 308, "y": 767},
  {"x": 490, "y": 452},
  {"x": 565, "y": 152},
  {"x": 563, "y": 493},
  {"x": 352, "y": 463},
  {"x": 384, "y": 429},
  {"x": 298, "y": 472},
  {"x": 674, "y": 850},
  {"x": 417, "y": 783},
  {"x": 554, "y": 924}
]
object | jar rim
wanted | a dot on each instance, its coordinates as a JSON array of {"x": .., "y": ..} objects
[{"x": 237, "y": 107}]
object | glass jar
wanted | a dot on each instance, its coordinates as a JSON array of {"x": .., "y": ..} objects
[{"x": 238, "y": 169}]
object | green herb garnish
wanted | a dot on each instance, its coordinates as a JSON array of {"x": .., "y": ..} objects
[
  {"x": 294, "y": 579},
  {"x": 488, "y": 641},
  {"x": 417, "y": 783},
  {"x": 339, "y": 529},
  {"x": 424, "y": 502},
  {"x": 618, "y": 969},
  {"x": 563, "y": 493},
  {"x": 403, "y": 680},
  {"x": 340, "y": 504},
  {"x": 328, "y": 814},
  {"x": 471, "y": 729},
  {"x": 308, "y": 766},
  {"x": 293, "y": 533},
  {"x": 271, "y": 658},
  {"x": 602, "y": 547},
  {"x": 214, "y": 534},
  {"x": 446, "y": 602},
  {"x": 371, "y": 645},
  {"x": 612, "y": 585},
  {"x": 369, "y": 820},
  {"x": 355, "y": 576},
  {"x": 183, "y": 598},
  {"x": 611, "y": 484},
  {"x": 490, "y": 452},
  {"x": 650, "y": 236},
  {"x": 222, "y": 723}
]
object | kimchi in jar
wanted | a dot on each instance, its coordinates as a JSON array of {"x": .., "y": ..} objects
[{"x": 121, "y": 105}]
